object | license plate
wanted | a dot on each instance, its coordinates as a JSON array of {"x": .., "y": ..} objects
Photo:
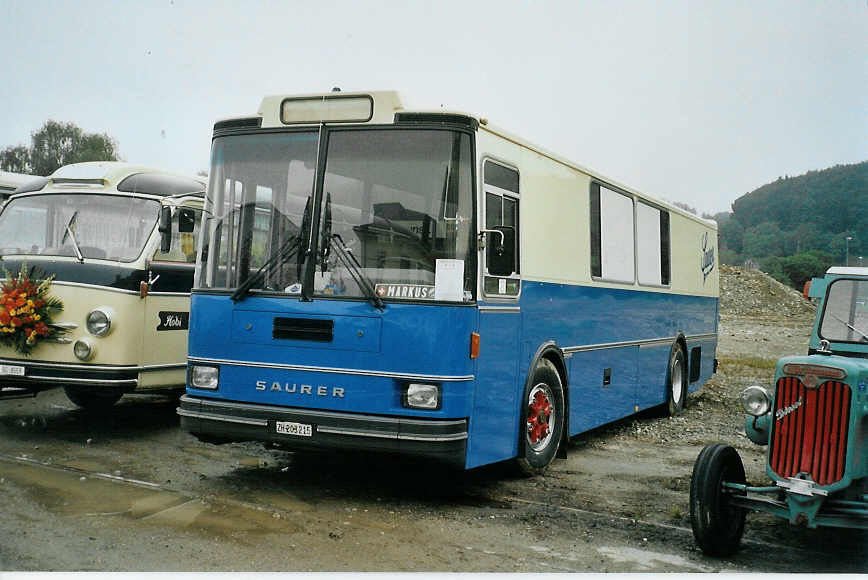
[
  {"x": 16, "y": 370},
  {"x": 297, "y": 429}
]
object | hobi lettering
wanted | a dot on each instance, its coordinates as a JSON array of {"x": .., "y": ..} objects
[
  {"x": 295, "y": 388},
  {"x": 173, "y": 321}
]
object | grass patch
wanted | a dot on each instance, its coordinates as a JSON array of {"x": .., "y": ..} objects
[{"x": 762, "y": 364}]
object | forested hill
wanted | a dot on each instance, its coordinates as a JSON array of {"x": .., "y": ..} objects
[{"x": 796, "y": 227}]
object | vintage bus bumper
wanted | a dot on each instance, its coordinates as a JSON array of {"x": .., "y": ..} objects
[
  {"x": 224, "y": 421},
  {"x": 21, "y": 378}
]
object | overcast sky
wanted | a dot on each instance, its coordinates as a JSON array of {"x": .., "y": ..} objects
[{"x": 698, "y": 102}]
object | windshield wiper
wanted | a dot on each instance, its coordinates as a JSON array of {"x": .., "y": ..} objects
[
  {"x": 71, "y": 233},
  {"x": 355, "y": 269},
  {"x": 280, "y": 256},
  {"x": 848, "y": 325}
]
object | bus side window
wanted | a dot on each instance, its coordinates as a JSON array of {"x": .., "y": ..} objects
[
  {"x": 612, "y": 235},
  {"x": 183, "y": 243},
  {"x": 501, "y": 214}
]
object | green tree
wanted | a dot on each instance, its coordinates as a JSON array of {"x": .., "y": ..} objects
[
  {"x": 57, "y": 144},
  {"x": 15, "y": 159},
  {"x": 764, "y": 240}
]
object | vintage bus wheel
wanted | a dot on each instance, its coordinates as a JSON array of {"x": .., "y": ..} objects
[
  {"x": 676, "y": 380},
  {"x": 717, "y": 526},
  {"x": 542, "y": 419},
  {"x": 91, "y": 399}
]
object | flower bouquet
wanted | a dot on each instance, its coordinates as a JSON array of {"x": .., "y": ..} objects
[{"x": 26, "y": 309}]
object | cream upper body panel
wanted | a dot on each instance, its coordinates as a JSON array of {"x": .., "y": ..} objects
[{"x": 554, "y": 219}]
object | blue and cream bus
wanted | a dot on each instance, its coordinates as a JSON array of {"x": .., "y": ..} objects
[{"x": 378, "y": 278}]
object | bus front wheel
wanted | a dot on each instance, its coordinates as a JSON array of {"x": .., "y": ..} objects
[
  {"x": 542, "y": 419},
  {"x": 91, "y": 400}
]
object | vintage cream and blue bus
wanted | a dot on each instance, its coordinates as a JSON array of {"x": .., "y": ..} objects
[
  {"x": 126, "y": 293},
  {"x": 378, "y": 278}
]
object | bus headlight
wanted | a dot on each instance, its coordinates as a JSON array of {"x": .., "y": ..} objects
[
  {"x": 83, "y": 349},
  {"x": 419, "y": 396},
  {"x": 99, "y": 321},
  {"x": 756, "y": 401},
  {"x": 204, "y": 377}
]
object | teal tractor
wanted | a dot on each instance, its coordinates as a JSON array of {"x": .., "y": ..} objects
[{"x": 814, "y": 423}]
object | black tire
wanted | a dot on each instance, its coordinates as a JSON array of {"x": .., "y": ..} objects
[
  {"x": 542, "y": 419},
  {"x": 92, "y": 400},
  {"x": 676, "y": 381},
  {"x": 717, "y": 526}
]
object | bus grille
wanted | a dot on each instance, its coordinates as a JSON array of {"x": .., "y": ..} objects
[{"x": 810, "y": 430}]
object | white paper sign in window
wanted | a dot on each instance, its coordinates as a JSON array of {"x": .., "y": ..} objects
[{"x": 449, "y": 280}]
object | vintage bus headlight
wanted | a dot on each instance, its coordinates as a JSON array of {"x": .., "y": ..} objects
[
  {"x": 99, "y": 321},
  {"x": 204, "y": 377},
  {"x": 418, "y": 396},
  {"x": 756, "y": 401},
  {"x": 83, "y": 349}
]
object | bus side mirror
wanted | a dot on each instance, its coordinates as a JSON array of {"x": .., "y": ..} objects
[
  {"x": 186, "y": 220},
  {"x": 165, "y": 229},
  {"x": 500, "y": 255}
]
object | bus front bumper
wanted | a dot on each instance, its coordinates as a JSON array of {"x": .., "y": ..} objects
[
  {"x": 26, "y": 378},
  {"x": 225, "y": 421}
]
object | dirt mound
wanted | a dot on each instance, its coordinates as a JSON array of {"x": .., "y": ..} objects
[{"x": 753, "y": 293}]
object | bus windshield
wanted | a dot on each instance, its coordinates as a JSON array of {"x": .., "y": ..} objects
[
  {"x": 394, "y": 201},
  {"x": 108, "y": 227}
]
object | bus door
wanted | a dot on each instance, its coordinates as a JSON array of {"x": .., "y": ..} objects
[
  {"x": 498, "y": 384},
  {"x": 167, "y": 303}
]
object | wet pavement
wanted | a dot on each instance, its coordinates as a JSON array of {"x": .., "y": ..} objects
[{"x": 127, "y": 490}]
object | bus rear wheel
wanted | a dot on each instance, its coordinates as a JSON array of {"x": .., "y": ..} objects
[
  {"x": 717, "y": 526},
  {"x": 676, "y": 380},
  {"x": 92, "y": 400},
  {"x": 542, "y": 419}
]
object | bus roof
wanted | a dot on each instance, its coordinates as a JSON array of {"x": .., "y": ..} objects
[
  {"x": 9, "y": 181},
  {"x": 379, "y": 107},
  {"x": 116, "y": 175}
]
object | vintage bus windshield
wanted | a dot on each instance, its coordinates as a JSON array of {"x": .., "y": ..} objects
[
  {"x": 394, "y": 201},
  {"x": 107, "y": 227},
  {"x": 845, "y": 315}
]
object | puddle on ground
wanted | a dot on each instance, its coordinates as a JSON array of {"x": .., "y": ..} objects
[
  {"x": 645, "y": 560},
  {"x": 73, "y": 494},
  {"x": 84, "y": 465}
]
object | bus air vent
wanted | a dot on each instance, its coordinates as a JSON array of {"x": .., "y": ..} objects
[
  {"x": 245, "y": 123},
  {"x": 313, "y": 329},
  {"x": 810, "y": 430},
  {"x": 442, "y": 118}
]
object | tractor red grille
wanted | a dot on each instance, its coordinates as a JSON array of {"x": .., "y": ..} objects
[{"x": 810, "y": 430}]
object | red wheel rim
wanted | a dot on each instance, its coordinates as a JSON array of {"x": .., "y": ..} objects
[{"x": 540, "y": 417}]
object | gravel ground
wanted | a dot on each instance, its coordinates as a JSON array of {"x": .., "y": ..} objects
[{"x": 619, "y": 503}]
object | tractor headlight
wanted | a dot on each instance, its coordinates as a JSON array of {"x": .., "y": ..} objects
[
  {"x": 204, "y": 377},
  {"x": 83, "y": 349},
  {"x": 99, "y": 321},
  {"x": 419, "y": 396},
  {"x": 756, "y": 401}
]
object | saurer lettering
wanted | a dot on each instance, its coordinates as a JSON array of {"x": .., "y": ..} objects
[{"x": 295, "y": 388}]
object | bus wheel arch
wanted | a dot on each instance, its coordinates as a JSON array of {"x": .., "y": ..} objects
[
  {"x": 676, "y": 377},
  {"x": 543, "y": 413}
]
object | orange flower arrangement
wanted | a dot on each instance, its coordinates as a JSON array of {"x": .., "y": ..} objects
[{"x": 26, "y": 309}]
